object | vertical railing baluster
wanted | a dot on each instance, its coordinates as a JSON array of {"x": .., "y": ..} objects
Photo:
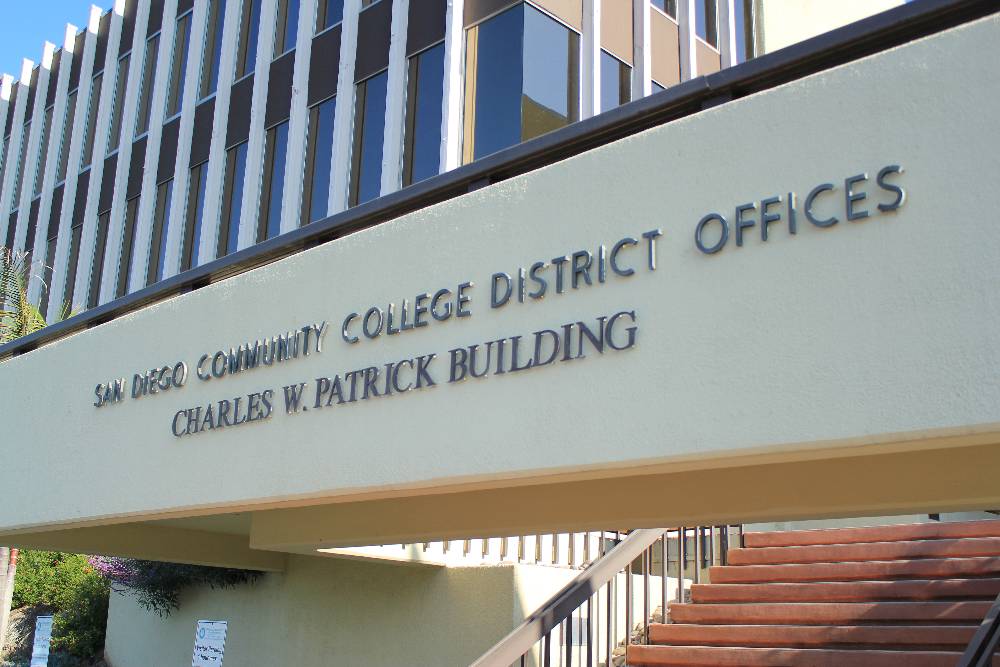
[
  {"x": 568, "y": 638},
  {"x": 608, "y": 621},
  {"x": 697, "y": 554},
  {"x": 628, "y": 605},
  {"x": 546, "y": 653},
  {"x": 590, "y": 630},
  {"x": 647, "y": 561},
  {"x": 664, "y": 571},
  {"x": 681, "y": 561}
]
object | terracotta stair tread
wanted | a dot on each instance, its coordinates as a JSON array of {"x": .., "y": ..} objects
[
  {"x": 824, "y": 613},
  {"x": 928, "y": 568},
  {"x": 709, "y": 656},
  {"x": 901, "y": 532},
  {"x": 860, "y": 591},
  {"x": 931, "y": 637},
  {"x": 837, "y": 553}
]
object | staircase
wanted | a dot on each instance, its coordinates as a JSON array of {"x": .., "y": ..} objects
[{"x": 909, "y": 595}]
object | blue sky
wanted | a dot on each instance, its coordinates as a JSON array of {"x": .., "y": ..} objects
[{"x": 28, "y": 24}]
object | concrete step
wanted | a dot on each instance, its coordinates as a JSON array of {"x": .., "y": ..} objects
[
  {"x": 895, "y": 637},
  {"x": 854, "y": 591},
  {"x": 905, "y": 532},
  {"x": 838, "y": 553},
  {"x": 832, "y": 613},
  {"x": 929, "y": 568},
  {"x": 710, "y": 656}
]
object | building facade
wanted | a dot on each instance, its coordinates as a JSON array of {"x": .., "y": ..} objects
[
  {"x": 166, "y": 135},
  {"x": 440, "y": 276}
]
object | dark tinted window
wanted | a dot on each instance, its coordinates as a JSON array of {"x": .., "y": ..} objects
[
  {"x": 213, "y": 48},
  {"x": 194, "y": 215},
  {"x": 246, "y": 53},
  {"x": 616, "y": 82},
  {"x": 705, "y": 21},
  {"x": 178, "y": 65},
  {"x": 523, "y": 69},
  {"x": 88, "y": 143},
  {"x": 128, "y": 242},
  {"x": 158, "y": 241},
  {"x": 331, "y": 12},
  {"x": 287, "y": 28},
  {"x": 65, "y": 137},
  {"x": 115, "y": 131},
  {"x": 146, "y": 92},
  {"x": 319, "y": 155},
  {"x": 275, "y": 150},
  {"x": 229, "y": 231},
  {"x": 369, "y": 129},
  {"x": 425, "y": 93}
]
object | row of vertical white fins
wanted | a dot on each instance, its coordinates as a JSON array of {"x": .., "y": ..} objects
[
  {"x": 141, "y": 249},
  {"x": 75, "y": 136},
  {"x": 250, "y": 206},
  {"x": 113, "y": 261},
  {"x": 199, "y": 44},
  {"x": 88, "y": 238},
  {"x": 7, "y": 194},
  {"x": 34, "y": 139},
  {"x": 208, "y": 244},
  {"x": 298, "y": 118},
  {"x": 57, "y": 121}
]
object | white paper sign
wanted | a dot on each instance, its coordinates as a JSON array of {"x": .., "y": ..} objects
[
  {"x": 209, "y": 643},
  {"x": 40, "y": 647}
]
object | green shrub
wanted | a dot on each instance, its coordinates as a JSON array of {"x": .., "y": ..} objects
[{"x": 69, "y": 584}]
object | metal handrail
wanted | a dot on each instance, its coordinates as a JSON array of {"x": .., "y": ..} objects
[
  {"x": 561, "y": 605},
  {"x": 980, "y": 651}
]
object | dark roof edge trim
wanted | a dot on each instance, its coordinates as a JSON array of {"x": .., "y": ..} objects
[{"x": 881, "y": 32}]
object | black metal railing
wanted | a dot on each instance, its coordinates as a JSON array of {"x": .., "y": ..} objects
[
  {"x": 983, "y": 647},
  {"x": 592, "y": 620}
]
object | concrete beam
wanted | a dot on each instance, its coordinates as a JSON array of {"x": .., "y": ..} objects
[
  {"x": 150, "y": 542},
  {"x": 893, "y": 482}
]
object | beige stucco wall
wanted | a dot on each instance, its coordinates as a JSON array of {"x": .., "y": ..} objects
[
  {"x": 882, "y": 331},
  {"x": 786, "y": 22},
  {"x": 323, "y": 611}
]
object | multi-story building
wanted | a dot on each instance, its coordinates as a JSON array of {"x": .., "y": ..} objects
[
  {"x": 169, "y": 134},
  {"x": 492, "y": 281}
]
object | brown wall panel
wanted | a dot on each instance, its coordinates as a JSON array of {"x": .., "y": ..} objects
[
  {"x": 373, "y": 40},
  {"x": 74, "y": 70},
  {"x": 50, "y": 95},
  {"x": 80, "y": 200},
  {"x": 204, "y": 116},
  {"x": 32, "y": 87},
  {"x": 568, "y": 11},
  {"x": 425, "y": 25},
  {"x": 616, "y": 29},
  {"x": 477, "y": 10},
  {"x": 666, "y": 49},
  {"x": 155, "y": 16},
  {"x": 54, "y": 212},
  {"x": 168, "y": 151},
  {"x": 279, "y": 90},
  {"x": 15, "y": 91},
  {"x": 708, "y": 59},
  {"x": 324, "y": 65},
  {"x": 102, "y": 42},
  {"x": 134, "y": 185},
  {"x": 239, "y": 112},
  {"x": 128, "y": 26},
  {"x": 107, "y": 184}
]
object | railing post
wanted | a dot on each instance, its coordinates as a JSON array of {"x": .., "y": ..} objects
[{"x": 681, "y": 561}]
